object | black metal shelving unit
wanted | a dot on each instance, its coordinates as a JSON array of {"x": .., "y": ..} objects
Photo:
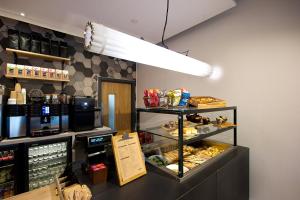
[{"x": 180, "y": 112}]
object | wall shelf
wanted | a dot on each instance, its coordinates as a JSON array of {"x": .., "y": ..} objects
[
  {"x": 35, "y": 78},
  {"x": 37, "y": 55}
]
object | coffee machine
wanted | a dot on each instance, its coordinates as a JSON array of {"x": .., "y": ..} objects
[
  {"x": 44, "y": 119},
  {"x": 16, "y": 120},
  {"x": 64, "y": 117},
  {"x": 82, "y": 113}
]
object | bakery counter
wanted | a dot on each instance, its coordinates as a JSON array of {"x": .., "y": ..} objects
[
  {"x": 61, "y": 135},
  {"x": 225, "y": 179}
]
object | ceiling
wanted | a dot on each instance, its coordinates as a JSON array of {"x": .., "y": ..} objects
[{"x": 141, "y": 18}]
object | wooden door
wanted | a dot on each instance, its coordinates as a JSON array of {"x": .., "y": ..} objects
[{"x": 116, "y": 106}]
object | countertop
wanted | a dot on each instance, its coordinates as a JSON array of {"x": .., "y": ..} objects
[
  {"x": 61, "y": 135},
  {"x": 153, "y": 185}
]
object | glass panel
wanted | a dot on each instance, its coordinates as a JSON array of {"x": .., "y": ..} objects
[
  {"x": 46, "y": 161},
  {"x": 111, "y": 111}
]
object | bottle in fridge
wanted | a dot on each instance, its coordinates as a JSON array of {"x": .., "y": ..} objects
[
  {"x": 45, "y": 160},
  {"x": 8, "y": 171}
]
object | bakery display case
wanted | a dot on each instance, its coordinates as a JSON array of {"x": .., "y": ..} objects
[{"x": 185, "y": 140}]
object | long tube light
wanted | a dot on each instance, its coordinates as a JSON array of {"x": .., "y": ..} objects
[{"x": 109, "y": 42}]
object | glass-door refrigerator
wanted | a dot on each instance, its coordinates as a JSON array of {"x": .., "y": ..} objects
[
  {"x": 8, "y": 171},
  {"x": 44, "y": 160}
]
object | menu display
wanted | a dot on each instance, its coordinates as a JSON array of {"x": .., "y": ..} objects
[{"x": 128, "y": 156}]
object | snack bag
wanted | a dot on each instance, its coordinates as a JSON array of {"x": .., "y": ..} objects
[
  {"x": 154, "y": 99},
  {"x": 177, "y": 97},
  {"x": 185, "y": 96},
  {"x": 146, "y": 98},
  {"x": 174, "y": 97},
  {"x": 163, "y": 99}
]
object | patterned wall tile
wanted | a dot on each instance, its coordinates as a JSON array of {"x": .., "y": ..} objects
[
  {"x": 84, "y": 67},
  {"x": 96, "y": 60}
]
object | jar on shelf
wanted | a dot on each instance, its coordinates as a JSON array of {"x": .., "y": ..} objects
[
  {"x": 58, "y": 74},
  {"x": 20, "y": 70},
  {"x": 52, "y": 73},
  {"x": 65, "y": 74},
  {"x": 11, "y": 69},
  {"x": 37, "y": 72},
  {"x": 28, "y": 71},
  {"x": 44, "y": 72}
]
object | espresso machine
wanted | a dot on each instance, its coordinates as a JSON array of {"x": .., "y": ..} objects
[
  {"x": 44, "y": 119},
  {"x": 82, "y": 113}
]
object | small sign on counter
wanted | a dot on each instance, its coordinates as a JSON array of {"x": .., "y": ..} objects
[{"x": 128, "y": 156}]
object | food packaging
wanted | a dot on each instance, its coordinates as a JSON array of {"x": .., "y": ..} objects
[
  {"x": 11, "y": 69},
  {"x": 28, "y": 71},
  {"x": 45, "y": 46},
  {"x": 11, "y": 101},
  {"x": 20, "y": 98},
  {"x": 18, "y": 88},
  {"x": 52, "y": 73},
  {"x": 13, "y": 39},
  {"x": 65, "y": 75},
  {"x": 20, "y": 70},
  {"x": 63, "y": 49},
  {"x": 54, "y": 48},
  {"x": 44, "y": 72},
  {"x": 163, "y": 99},
  {"x": 98, "y": 173},
  {"x": 151, "y": 98},
  {"x": 185, "y": 96},
  {"x": 174, "y": 97},
  {"x": 58, "y": 74},
  {"x": 24, "y": 41},
  {"x": 37, "y": 72},
  {"x": 206, "y": 102}
]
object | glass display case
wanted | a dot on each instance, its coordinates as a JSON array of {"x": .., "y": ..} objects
[{"x": 183, "y": 141}]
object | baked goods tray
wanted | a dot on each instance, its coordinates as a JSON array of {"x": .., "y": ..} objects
[
  {"x": 228, "y": 153},
  {"x": 203, "y": 132}
]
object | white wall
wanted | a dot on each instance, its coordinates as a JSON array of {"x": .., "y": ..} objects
[{"x": 258, "y": 46}]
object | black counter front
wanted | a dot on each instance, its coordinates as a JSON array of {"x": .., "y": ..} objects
[{"x": 226, "y": 179}]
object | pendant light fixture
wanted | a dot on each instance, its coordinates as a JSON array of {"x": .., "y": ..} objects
[{"x": 103, "y": 40}]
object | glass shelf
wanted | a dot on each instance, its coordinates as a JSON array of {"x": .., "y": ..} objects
[
  {"x": 203, "y": 132},
  {"x": 183, "y": 110}
]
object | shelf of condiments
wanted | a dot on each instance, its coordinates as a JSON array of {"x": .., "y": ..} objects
[
  {"x": 33, "y": 72},
  {"x": 179, "y": 98}
]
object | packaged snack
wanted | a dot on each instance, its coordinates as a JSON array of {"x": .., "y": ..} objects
[
  {"x": 44, "y": 72},
  {"x": 174, "y": 97},
  {"x": 185, "y": 96},
  {"x": 52, "y": 73},
  {"x": 154, "y": 100},
  {"x": 163, "y": 99},
  {"x": 11, "y": 69},
  {"x": 151, "y": 98},
  {"x": 58, "y": 74},
  {"x": 28, "y": 71},
  {"x": 36, "y": 71},
  {"x": 20, "y": 70},
  {"x": 146, "y": 98},
  {"x": 65, "y": 74}
]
